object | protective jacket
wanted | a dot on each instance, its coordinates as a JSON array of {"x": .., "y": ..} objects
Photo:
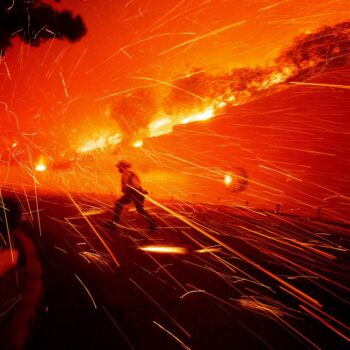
[{"x": 130, "y": 181}]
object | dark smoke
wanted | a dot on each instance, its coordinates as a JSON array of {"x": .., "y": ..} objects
[
  {"x": 134, "y": 111},
  {"x": 35, "y": 22},
  {"x": 188, "y": 91},
  {"x": 327, "y": 48}
]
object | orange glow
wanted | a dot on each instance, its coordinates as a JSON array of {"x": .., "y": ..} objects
[
  {"x": 41, "y": 166},
  {"x": 228, "y": 180},
  {"x": 164, "y": 249},
  {"x": 138, "y": 144}
]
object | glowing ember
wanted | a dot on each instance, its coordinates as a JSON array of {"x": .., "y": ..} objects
[
  {"x": 138, "y": 144},
  {"x": 40, "y": 166},
  {"x": 228, "y": 180},
  {"x": 164, "y": 249}
]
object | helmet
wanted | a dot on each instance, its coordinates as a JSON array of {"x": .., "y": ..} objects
[{"x": 123, "y": 164}]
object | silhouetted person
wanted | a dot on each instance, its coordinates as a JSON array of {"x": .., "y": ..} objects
[{"x": 132, "y": 193}]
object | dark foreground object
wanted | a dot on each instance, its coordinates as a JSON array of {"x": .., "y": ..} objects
[
  {"x": 10, "y": 214},
  {"x": 212, "y": 296}
]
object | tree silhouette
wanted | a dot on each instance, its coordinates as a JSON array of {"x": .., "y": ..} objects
[{"x": 35, "y": 22}]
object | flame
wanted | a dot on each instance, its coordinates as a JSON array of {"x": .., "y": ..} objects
[
  {"x": 160, "y": 127},
  {"x": 100, "y": 143},
  {"x": 205, "y": 115},
  {"x": 271, "y": 77},
  {"x": 166, "y": 124},
  {"x": 199, "y": 95},
  {"x": 164, "y": 249}
]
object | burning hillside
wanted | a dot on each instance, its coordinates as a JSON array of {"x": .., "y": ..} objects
[{"x": 200, "y": 95}]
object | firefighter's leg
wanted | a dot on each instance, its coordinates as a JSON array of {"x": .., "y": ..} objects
[
  {"x": 139, "y": 204},
  {"x": 119, "y": 204}
]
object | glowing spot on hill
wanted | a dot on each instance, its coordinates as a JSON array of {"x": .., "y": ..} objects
[
  {"x": 40, "y": 166},
  {"x": 228, "y": 180},
  {"x": 138, "y": 144}
]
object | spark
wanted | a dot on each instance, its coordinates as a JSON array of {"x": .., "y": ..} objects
[
  {"x": 160, "y": 307},
  {"x": 60, "y": 249},
  {"x": 95, "y": 231},
  {"x": 162, "y": 82},
  {"x": 64, "y": 85},
  {"x": 254, "y": 304},
  {"x": 326, "y": 323},
  {"x": 87, "y": 291},
  {"x": 272, "y": 6},
  {"x": 118, "y": 327},
  {"x": 235, "y": 252},
  {"x": 192, "y": 292},
  {"x": 11, "y": 5},
  {"x": 164, "y": 249},
  {"x": 208, "y": 250},
  {"x": 183, "y": 345},
  {"x": 7, "y": 227},
  {"x": 336, "y": 86},
  {"x": 207, "y": 35}
]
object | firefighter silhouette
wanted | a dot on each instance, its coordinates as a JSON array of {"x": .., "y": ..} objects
[{"x": 132, "y": 193}]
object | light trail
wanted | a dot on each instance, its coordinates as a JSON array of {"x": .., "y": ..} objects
[
  {"x": 235, "y": 252},
  {"x": 204, "y": 36},
  {"x": 95, "y": 231},
  {"x": 160, "y": 307},
  {"x": 336, "y": 86},
  {"x": 164, "y": 249},
  {"x": 183, "y": 345},
  {"x": 326, "y": 323},
  {"x": 87, "y": 291}
]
